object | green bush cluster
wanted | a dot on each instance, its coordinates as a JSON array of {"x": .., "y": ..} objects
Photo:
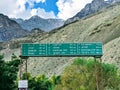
[
  {"x": 41, "y": 82},
  {"x": 89, "y": 75},
  {"x": 9, "y": 79},
  {"x": 8, "y": 73}
]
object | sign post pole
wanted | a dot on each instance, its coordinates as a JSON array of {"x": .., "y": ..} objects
[
  {"x": 23, "y": 84},
  {"x": 101, "y": 75},
  {"x": 20, "y": 66},
  {"x": 96, "y": 74},
  {"x": 26, "y": 70}
]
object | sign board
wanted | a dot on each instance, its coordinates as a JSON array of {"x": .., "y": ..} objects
[
  {"x": 22, "y": 84},
  {"x": 62, "y": 49}
]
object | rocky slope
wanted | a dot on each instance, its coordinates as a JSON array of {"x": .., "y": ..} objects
[
  {"x": 37, "y": 22},
  {"x": 103, "y": 26},
  {"x": 91, "y": 8},
  {"x": 9, "y": 29}
]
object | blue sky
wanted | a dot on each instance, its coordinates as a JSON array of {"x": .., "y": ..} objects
[
  {"x": 62, "y": 9},
  {"x": 49, "y": 5}
]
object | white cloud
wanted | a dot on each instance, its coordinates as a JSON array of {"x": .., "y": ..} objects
[
  {"x": 24, "y": 14},
  {"x": 46, "y": 15},
  {"x": 69, "y": 8},
  {"x": 40, "y": 1},
  {"x": 13, "y": 8},
  {"x": 31, "y": 2},
  {"x": 7, "y": 6},
  {"x": 16, "y": 8},
  {"x": 34, "y": 12}
]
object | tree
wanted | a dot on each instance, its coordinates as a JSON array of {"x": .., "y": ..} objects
[
  {"x": 8, "y": 73},
  {"x": 81, "y": 75},
  {"x": 2, "y": 71}
]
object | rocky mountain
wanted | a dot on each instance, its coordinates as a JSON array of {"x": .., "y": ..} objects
[
  {"x": 103, "y": 26},
  {"x": 10, "y": 29},
  {"x": 19, "y": 20},
  {"x": 91, "y": 8},
  {"x": 112, "y": 1},
  {"x": 38, "y": 22}
]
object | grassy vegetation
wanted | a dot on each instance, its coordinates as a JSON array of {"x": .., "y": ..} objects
[{"x": 81, "y": 75}]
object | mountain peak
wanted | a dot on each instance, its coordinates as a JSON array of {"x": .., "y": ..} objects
[
  {"x": 10, "y": 29},
  {"x": 36, "y": 17},
  {"x": 112, "y": 1},
  {"x": 38, "y": 22},
  {"x": 91, "y": 8},
  {"x": 3, "y": 16}
]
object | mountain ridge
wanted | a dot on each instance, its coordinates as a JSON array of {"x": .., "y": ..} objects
[
  {"x": 38, "y": 22},
  {"x": 9, "y": 29},
  {"x": 91, "y": 8}
]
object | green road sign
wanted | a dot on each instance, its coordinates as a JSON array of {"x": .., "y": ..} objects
[{"x": 62, "y": 49}]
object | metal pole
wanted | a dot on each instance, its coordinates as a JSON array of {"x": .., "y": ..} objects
[
  {"x": 96, "y": 75},
  {"x": 20, "y": 68},
  {"x": 101, "y": 79},
  {"x": 26, "y": 70}
]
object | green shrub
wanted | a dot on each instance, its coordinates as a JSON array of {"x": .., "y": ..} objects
[{"x": 82, "y": 74}]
